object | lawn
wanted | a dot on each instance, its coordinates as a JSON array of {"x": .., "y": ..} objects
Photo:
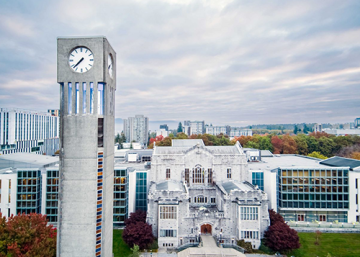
[
  {"x": 120, "y": 248},
  {"x": 338, "y": 245}
]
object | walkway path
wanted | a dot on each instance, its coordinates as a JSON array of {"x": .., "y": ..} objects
[{"x": 209, "y": 249}]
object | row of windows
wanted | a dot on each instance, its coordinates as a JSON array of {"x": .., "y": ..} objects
[
  {"x": 119, "y": 173},
  {"x": 314, "y": 189},
  {"x": 314, "y": 173},
  {"x": 168, "y": 212},
  {"x": 202, "y": 199},
  {"x": 53, "y": 173},
  {"x": 323, "y": 205},
  {"x": 250, "y": 234},
  {"x": 316, "y": 197},
  {"x": 199, "y": 176},
  {"x": 249, "y": 213},
  {"x": 315, "y": 181},
  {"x": 168, "y": 233},
  {"x": 119, "y": 188},
  {"x": 121, "y": 180},
  {"x": 28, "y": 174}
]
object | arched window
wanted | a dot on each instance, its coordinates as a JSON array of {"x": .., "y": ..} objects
[
  {"x": 200, "y": 199},
  {"x": 198, "y": 175}
]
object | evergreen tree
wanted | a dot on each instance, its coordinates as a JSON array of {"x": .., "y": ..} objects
[{"x": 180, "y": 130}]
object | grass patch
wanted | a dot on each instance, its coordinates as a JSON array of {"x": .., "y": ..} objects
[
  {"x": 119, "y": 247},
  {"x": 338, "y": 245}
]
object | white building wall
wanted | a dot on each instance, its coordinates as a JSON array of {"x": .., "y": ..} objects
[
  {"x": 8, "y": 207},
  {"x": 270, "y": 188},
  {"x": 354, "y": 192}
]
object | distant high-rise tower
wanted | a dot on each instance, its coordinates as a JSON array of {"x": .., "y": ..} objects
[
  {"x": 137, "y": 129},
  {"x": 86, "y": 70}
]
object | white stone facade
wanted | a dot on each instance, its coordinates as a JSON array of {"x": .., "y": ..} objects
[{"x": 198, "y": 189}]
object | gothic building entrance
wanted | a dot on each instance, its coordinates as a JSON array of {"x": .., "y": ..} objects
[{"x": 206, "y": 229}]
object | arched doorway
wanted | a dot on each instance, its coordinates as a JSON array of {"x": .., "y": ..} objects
[{"x": 206, "y": 229}]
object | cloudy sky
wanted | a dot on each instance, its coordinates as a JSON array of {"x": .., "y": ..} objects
[{"x": 225, "y": 62}]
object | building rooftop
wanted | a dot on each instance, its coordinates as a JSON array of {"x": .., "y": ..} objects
[
  {"x": 234, "y": 185},
  {"x": 337, "y": 161},
  {"x": 190, "y": 144},
  {"x": 186, "y": 142},
  {"x": 288, "y": 161},
  {"x": 170, "y": 185},
  {"x": 27, "y": 160}
]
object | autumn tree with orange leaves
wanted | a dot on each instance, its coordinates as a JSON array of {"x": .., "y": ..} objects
[{"x": 27, "y": 235}]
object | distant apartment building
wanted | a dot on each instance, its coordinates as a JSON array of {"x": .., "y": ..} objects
[
  {"x": 194, "y": 127},
  {"x": 216, "y": 130},
  {"x": 165, "y": 127},
  {"x": 238, "y": 132},
  {"x": 342, "y": 132},
  {"x": 162, "y": 132},
  {"x": 136, "y": 129},
  {"x": 317, "y": 128},
  {"x": 28, "y": 131}
]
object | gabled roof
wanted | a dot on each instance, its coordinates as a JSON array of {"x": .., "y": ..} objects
[
  {"x": 192, "y": 144},
  {"x": 186, "y": 142},
  {"x": 337, "y": 161}
]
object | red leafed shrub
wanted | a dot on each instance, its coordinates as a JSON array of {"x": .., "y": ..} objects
[
  {"x": 137, "y": 231},
  {"x": 279, "y": 236}
]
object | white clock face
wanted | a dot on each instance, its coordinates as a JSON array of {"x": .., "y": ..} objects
[
  {"x": 110, "y": 65},
  {"x": 81, "y": 59}
]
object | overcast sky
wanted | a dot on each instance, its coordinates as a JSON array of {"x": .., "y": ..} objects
[{"x": 225, "y": 62}]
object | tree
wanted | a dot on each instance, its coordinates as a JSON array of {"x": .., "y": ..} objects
[
  {"x": 265, "y": 144},
  {"x": 296, "y": 129},
  {"x": 135, "y": 251},
  {"x": 289, "y": 145},
  {"x": 180, "y": 130},
  {"x": 302, "y": 146},
  {"x": 355, "y": 155},
  {"x": 27, "y": 235},
  {"x": 317, "y": 155},
  {"x": 137, "y": 216},
  {"x": 275, "y": 217},
  {"x": 326, "y": 146},
  {"x": 181, "y": 135},
  {"x": 246, "y": 245},
  {"x": 137, "y": 231},
  {"x": 277, "y": 144},
  {"x": 280, "y": 237}
]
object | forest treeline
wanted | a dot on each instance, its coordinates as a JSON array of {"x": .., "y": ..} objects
[{"x": 319, "y": 145}]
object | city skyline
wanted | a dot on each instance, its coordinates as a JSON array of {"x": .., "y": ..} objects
[{"x": 225, "y": 62}]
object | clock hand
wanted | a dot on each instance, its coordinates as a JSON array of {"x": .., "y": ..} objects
[
  {"x": 78, "y": 62},
  {"x": 109, "y": 66}
]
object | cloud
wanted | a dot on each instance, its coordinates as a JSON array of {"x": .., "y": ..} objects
[{"x": 225, "y": 62}]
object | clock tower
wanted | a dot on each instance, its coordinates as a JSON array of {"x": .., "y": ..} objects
[{"x": 86, "y": 72}]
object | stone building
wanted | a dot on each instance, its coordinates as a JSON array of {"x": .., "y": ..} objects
[{"x": 196, "y": 189}]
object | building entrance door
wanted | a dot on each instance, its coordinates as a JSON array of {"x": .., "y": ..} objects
[{"x": 206, "y": 229}]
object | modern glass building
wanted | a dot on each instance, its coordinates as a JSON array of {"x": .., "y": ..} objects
[
  {"x": 320, "y": 194},
  {"x": 52, "y": 193},
  {"x": 258, "y": 179},
  {"x": 28, "y": 191},
  {"x": 121, "y": 192},
  {"x": 141, "y": 191}
]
